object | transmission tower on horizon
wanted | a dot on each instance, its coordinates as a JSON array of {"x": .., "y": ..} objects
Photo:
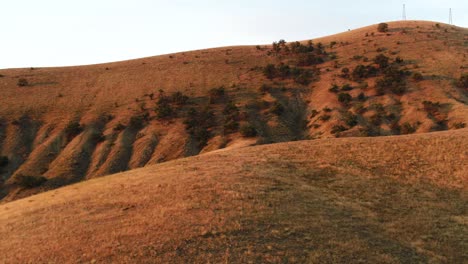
[
  {"x": 450, "y": 16},
  {"x": 404, "y": 12}
]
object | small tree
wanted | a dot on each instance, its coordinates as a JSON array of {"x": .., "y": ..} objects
[{"x": 382, "y": 27}]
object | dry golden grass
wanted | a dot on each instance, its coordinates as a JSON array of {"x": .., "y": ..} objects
[
  {"x": 33, "y": 119},
  {"x": 376, "y": 200}
]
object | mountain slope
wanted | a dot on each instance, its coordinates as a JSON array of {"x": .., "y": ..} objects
[
  {"x": 75, "y": 123},
  {"x": 399, "y": 199}
]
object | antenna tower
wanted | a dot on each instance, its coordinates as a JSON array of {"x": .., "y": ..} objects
[
  {"x": 450, "y": 17},
  {"x": 404, "y": 12}
]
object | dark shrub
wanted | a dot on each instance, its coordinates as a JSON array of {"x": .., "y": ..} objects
[
  {"x": 73, "y": 129},
  {"x": 3, "y": 161},
  {"x": 345, "y": 73},
  {"x": 269, "y": 71},
  {"x": 136, "y": 122},
  {"x": 119, "y": 127},
  {"x": 350, "y": 119},
  {"x": 22, "y": 82},
  {"x": 334, "y": 89},
  {"x": 344, "y": 98},
  {"x": 458, "y": 125},
  {"x": 179, "y": 98},
  {"x": 382, "y": 27},
  {"x": 277, "y": 108},
  {"x": 362, "y": 97},
  {"x": 337, "y": 129},
  {"x": 463, "y": 81},
  {"x": 346, "y": 87},
  {"x": 325, "y": 118},
  {"x": 248, "y": 130},
  {"x": 382, "y": 61},
  {"x": 407, "y": 128},
  {"x": 417, "y": 76},
  {"x": 30, "y": 181}
]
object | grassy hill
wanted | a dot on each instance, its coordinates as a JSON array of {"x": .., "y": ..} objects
[
  {"x": 396, "y": 199},
  {"x": 63, "y": 125}
]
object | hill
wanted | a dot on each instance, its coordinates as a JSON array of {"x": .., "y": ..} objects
[
  {"x": 64, "y": 125},
  {"x": 396, "y": 199}
]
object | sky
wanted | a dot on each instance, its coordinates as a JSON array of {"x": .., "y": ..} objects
[{"x": 76, "y": 32}]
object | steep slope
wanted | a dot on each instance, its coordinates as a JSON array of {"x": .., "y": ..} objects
[
  {"x": 74, "y": 123},
  {"x": 398, "y": 199}
]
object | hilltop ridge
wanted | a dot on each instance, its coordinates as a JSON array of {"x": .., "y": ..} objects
[{"x": 63, "y": 125}]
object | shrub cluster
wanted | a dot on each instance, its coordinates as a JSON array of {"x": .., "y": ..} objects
[
  {"x": 283, "y": 71},
  {"x": 393, "y": 80},
  {"x": 198, "y": 124},
  {"x": 27, "y": 181}
]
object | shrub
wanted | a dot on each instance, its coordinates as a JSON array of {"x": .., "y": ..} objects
[
  {"x": 325, "y": 118},
  {"x": 231, "y": 125},
  {"x": 277, "y": 108},
  {"x": 3, "y": 161},
  {"x": 344, "y": 98},
  {"x": 179, "y": 98},
  {"x": 346, "y": 87},
  {"x": 463, "y": 81},
  {"x": 382, "y": 27},
  {"x": 30, "y": 181},
  {"x": 337, "y": 129},
  {"x": 345, "y": 73},
  {"x": 73, "y": 129},
  {"x": 119, "y": 127},
  {"x": 303, "y": 78},
  {"x": 327, "y": 109},
  {"x": 361, "y": 72},
  {"x": 269, "y": 71},
  {"x": 23, "y": 82},
  {"x": 416, "y": 76},
  {"x": 350, "y": 119},
  {"x": 382, "y": 61},
  {"x": 248, "y": 130},
  {"x": 407, "y": 128},
  {"x": 136, "y": 122},
  {"x": 334, "y": 88},
  {"x": 163, "y": 108},
  {"x": 362, "y": 97},
  {"x": 458, "y": 125}
]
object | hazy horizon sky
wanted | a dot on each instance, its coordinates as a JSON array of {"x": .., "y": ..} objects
[{"x": 63, "y": 33}]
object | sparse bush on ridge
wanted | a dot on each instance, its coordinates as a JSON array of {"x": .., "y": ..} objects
[{"x": 382, "y": 27}]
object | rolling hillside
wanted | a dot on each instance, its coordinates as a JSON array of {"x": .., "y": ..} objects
[
  {"x": 64, "y": 125},
  {"x": 396, "y": 199}
]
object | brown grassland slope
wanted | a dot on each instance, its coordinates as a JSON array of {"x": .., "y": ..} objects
[
  {"x": 396, "y": 199},
  {"x": 64, "y": 125}
]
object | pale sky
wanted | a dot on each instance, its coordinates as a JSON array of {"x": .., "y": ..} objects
[{"x": 40, "y": 33}]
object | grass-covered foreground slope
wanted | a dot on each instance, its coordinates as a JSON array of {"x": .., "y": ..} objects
[{"x": 399, "y": 199}]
